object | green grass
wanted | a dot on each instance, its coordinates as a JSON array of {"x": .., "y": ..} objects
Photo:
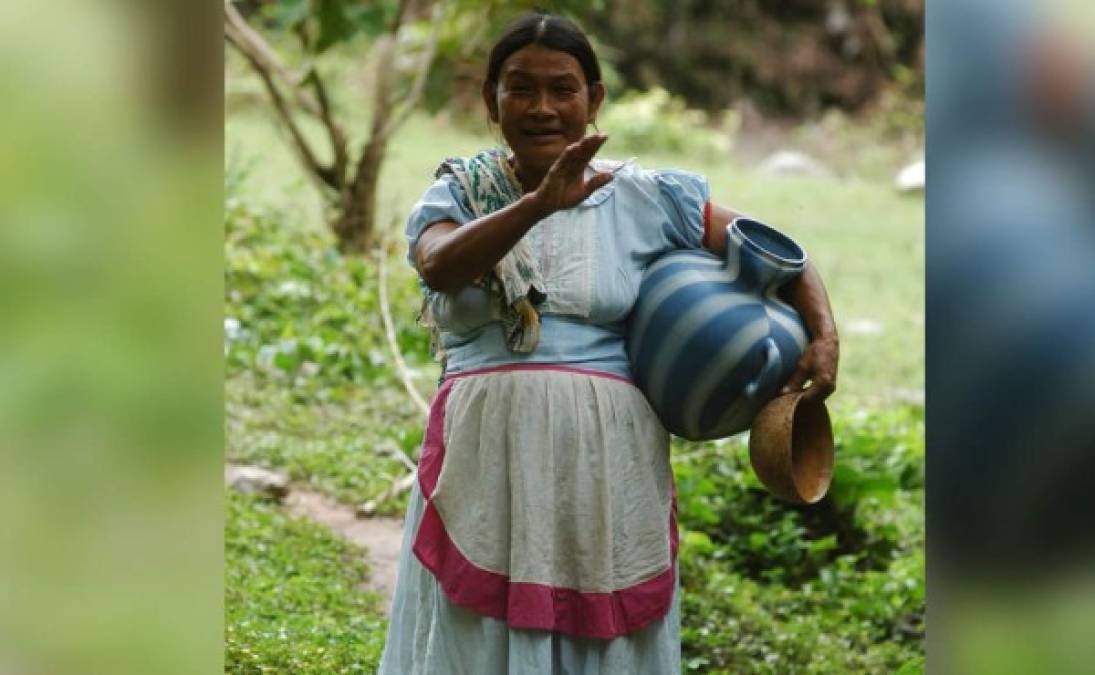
[
  {"x": 293, "y": 598},
  {"x": 345, "y": 447},
  {"x": 311, "y": 384}
]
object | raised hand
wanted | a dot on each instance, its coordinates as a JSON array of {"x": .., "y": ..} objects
[{"x": 565, "y": 185}]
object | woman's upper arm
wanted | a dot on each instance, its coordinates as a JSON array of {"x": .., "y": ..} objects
[
  {"x": 425, "y": 247},
  {"x": 719, "y": 218},
  {"x": 442, "y": 202}
]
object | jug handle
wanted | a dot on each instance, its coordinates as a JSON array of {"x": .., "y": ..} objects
[{"x": 766, "y": 379}]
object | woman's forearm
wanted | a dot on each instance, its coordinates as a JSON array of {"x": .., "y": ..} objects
[
  {"x": 808, "y": 296},
  {"x": 450, "y": 256},
  {"x": 820, "y": 360}
]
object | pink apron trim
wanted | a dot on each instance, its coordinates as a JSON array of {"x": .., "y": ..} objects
[
  {"x": 523, "y": 604},
  {"x": 433, "y": 444},
  {"x": 539, "y": 606}
]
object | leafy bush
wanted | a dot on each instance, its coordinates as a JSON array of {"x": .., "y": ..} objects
[
  {"x": 656, "y": 122},
  {"x": 293, "y": 602},
  {"x": 299, "y": 312},
  {"x": 838, "y": 586}
]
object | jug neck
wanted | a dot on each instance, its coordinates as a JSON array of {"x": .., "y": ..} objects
[{"x": 761, "y": 257}]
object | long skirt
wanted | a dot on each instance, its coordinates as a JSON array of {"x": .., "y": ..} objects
[{"x": 541, "y": 534}]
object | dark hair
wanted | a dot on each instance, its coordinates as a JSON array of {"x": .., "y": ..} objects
[{"x": 550, "y": 30}]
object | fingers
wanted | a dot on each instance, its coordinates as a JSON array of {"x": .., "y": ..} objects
[
  {"x": 819, "y": 389},
  {"x": 588, "y": 146},
  {"x": 567, "y": 173},
  {"x": 797, "y": 381},
  {"x": 578, "y": 154},
  {"x": 818, "y": 366},
  {"x": 822, "y": 385}
]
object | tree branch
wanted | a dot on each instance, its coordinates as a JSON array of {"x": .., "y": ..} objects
[
  {"x": 382, "y": 105},
  {"x": 323, "y": 173},
  {"x": 403, "y": 484},
  {"x": 884, "y": 43},
  {"x": 389, "y": 331},
  {"x": 266, "y": 63},
  {"x": 397, "y": 20},
  {"x": 334, "y": 131},
  {"x": 249, "y": 42},
  {"x": 407, "y": 105},
  {"x": 398, "y": 487}
]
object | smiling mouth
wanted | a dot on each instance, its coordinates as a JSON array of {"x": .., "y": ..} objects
[{"x": 543, "y": 138}]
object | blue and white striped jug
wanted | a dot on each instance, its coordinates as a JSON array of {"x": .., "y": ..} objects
[{"x": 710, "y": 341}]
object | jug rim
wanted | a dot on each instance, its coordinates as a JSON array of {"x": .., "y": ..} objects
[{"x": 798, "y": 261}]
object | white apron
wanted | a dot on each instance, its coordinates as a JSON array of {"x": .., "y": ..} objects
[{"x": 550, "y": 501}]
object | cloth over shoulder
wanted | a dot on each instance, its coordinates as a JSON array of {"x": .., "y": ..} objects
[{"x": 479, "y": 186}]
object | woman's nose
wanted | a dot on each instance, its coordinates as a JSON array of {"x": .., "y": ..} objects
[{"x": 541, "y": 104}]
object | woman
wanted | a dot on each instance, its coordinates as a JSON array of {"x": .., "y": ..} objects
[{"x": 541, "y": 536}]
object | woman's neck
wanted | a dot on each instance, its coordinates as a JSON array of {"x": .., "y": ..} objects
[{"x": 529, "y": 177}]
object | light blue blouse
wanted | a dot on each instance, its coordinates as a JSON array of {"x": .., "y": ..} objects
[{"x": 592, "y": 258}]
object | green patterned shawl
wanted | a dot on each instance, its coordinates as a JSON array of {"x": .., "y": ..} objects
[{"x": 489, "y": 184}]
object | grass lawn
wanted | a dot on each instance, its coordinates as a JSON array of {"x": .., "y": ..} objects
[{"x": 293, "y": 602}]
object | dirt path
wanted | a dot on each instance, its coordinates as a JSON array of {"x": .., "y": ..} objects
[{"x": 381, "y": 537}]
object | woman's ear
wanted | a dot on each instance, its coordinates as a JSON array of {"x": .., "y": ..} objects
[
  {"x": 490, "y": 99},
  {"x": 596, "y": 97}
]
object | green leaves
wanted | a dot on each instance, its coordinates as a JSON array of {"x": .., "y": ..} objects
[
  {"x": 300, "y": 313},
  {"x": 914, "y": 666},
  {"x": 655, "y": 121},
  {"x": 311, "y": 388},
  {"x": 322, "y": 24},
  {"x": 834, "y": 587},
  {"x": 288, "y": 13},
  {"x": 334, "y": 24}
]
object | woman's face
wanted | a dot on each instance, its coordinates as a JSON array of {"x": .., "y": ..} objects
[{"x": 542, "y": 103}]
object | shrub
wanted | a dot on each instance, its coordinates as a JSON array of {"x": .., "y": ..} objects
[
  {"x": 656, "y": 122},
  {"x": 298, "y": 311},
  {"x": 838, "y": 586}
]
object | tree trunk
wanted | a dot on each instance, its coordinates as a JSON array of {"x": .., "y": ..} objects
[
  {"x": 354, "y": 223},
  {"x": 353, "y": 197}
]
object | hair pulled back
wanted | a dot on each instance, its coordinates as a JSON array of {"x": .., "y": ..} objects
[{"x": 550, "y": 30}]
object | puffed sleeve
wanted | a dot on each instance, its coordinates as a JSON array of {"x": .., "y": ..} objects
[
  {"x": 443, "y": 201},
  {"x": 684, "y": 198}
]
